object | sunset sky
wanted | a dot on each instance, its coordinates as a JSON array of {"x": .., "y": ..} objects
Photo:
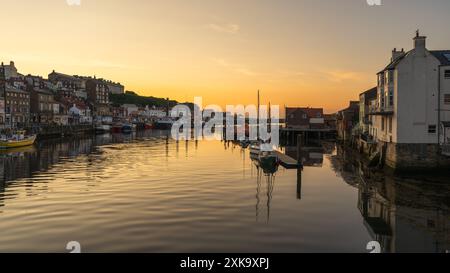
[{"x": 318, "y": 53}]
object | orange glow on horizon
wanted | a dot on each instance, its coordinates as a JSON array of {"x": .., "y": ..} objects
[{"x": 298, "y": 53}]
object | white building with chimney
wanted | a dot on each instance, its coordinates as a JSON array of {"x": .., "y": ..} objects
[{"x": 412, "y": 112}]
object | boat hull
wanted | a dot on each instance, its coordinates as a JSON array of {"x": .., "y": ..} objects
[
  {"x": 103, "y": 129},
  {"x": 17, "y": 143},
  {"x": 163, "y": 125}
]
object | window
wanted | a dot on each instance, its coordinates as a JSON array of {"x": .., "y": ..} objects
[
  {"x": 391, "y": 76},
  {"x": 391, "y": 97},
  {"x": 381, "y": 79},
  {"x": 447, "y": 99},
  {"x": 390, "y": 125},
  {"x": 382, "y": 124},
  {"x": 447, "y": 74},
  {"x": 432, "y": 129}
]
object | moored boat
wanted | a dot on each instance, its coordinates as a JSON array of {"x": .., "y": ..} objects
[
  {"x": 117, "y": 128},
  {"x": 266, "y": 160},
  {"x": 127, "y": 128},
  {"x": 103, "y": 128},
  {"x": 164, "y": 124},
  {"x": 149, "y": 126},
  {"x": 18, "y": 139}
]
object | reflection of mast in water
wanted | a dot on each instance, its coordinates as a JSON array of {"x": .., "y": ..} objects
[
  {"x": 167, "y": 146},
  {"x": 270, "y": 180},
  {"x": 243, "y": 162},
  {"x": 299, "y": 183},
  {"x": 258, "y": 191},
  {"x": 270, "y": 185}
]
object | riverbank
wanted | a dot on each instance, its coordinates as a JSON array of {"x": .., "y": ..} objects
[
  {"x": 48, "y": 132},
  {"x": 403, "y": 158}
]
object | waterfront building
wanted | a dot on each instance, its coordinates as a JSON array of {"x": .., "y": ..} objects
[
  {"x": 17, "y": 106},
  {"x": 2, "y": 111},
  {"x": 155, "y": 112},
  {"x": 42, "y": 106},
  {"x": 412, "y": 113},
  {"x": 130, "y": 109},
  {"x": 60, "y": 114},
  {"x": 98, "y": 97},
  {"x": 347, "y": 120},
  {"x": 304, "y": 118},
  {"x": 330, "y": 121},
  {"x": 79, "y": 113},
  {"x": 68, "y": 86},
  {"x": 367, "y": 100},
  {"x": 42, "y": 101},
  {"x": 117, "y": 113}
]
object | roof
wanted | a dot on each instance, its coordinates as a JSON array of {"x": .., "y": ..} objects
[
  {"x": 64, "y": 75},
  {"x": 126, "y": 105},
  {"x": 10, "y": 88},
  {"x": 442, "y": 55},
  {"x": 393, "y": 64},
  {"x": 370, "y": 94},
  {"x": 311, "y": 112},
  {"x": 43, "y": 91}
]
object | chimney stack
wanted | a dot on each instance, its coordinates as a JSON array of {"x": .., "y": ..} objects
[
  {"x": 397, "y": 54},
  {"x": 420, "y": 43}
]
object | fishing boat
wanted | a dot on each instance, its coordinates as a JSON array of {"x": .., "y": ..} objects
[
  {"x": 255, "y": 149},
  {"x": 117, "y": 128},
  {"x": 244, "y": 144},
  {"x": 127, "y": 128},
  {"x": 149, "y": 126},
  {"x": 164, "y": 123},
  {"x": 102, "y": 128},
  {"x": 266, "y": 160},
  {"x": 16, "y": 140},
  {"x": 269, "y": 157}
]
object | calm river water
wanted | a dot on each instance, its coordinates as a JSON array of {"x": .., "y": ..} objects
[{"x": 147, "y": 193}]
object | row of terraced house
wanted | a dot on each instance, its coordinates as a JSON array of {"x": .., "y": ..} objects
[
  {"x": 58, "y": 100},
  {"x": 405, "y": 119}
]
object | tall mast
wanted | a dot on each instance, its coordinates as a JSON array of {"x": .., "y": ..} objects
[
  {"x": 270, "y": 114},
  {"x": 259, "y": 105},
  {"x": 3, "y": 85},
  {"x": 259, "y": 108}
]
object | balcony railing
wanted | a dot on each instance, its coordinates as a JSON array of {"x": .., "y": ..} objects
[{"x": 379, "y": 110}]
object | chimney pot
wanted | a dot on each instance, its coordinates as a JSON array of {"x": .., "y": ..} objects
[{"x": 420, "y": 43}]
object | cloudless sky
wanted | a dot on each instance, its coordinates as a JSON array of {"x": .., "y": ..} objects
[{"x": 318, "y": 53}]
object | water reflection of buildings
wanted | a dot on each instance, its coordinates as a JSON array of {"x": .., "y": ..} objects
[
  {"x": 310, "y": 156},
  {"x": 24, "y": 163},
  {"x": 404, "y": 215}
]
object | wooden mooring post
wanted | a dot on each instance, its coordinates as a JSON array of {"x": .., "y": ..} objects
[{"x": 300, "y": 166}]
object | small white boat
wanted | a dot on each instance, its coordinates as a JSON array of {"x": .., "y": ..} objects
[
  {"x": 103, "y": 128},
  {"x": 164, "y": 123}
]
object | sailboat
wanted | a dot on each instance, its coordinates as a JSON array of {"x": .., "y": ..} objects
[
  {"x": 16, "y": 138},
  {"x": 267, "y": 160}
]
